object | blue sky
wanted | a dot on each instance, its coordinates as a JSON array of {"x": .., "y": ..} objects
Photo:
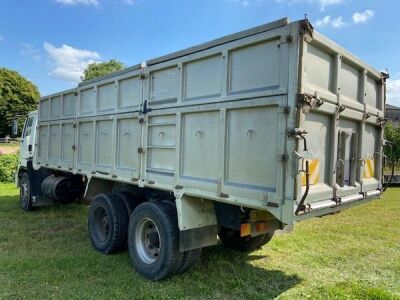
[{"x": 51, "y": 41}]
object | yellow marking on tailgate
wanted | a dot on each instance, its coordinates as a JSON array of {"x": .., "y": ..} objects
[{"x": 369, "y": 168}]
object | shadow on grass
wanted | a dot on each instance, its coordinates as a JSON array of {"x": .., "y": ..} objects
[
  {"x": 222, "y": 264},
  {"x": 220, "y": 273}
]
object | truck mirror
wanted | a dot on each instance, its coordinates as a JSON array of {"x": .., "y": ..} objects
[{"x": 15, "y": 127}]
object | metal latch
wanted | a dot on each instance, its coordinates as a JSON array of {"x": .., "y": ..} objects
[
  {"x": 306, "y": 29},
  {"x": 366, "y": 116},
  {"x": 340, "y": 108},
  {"x": 140, "y": 150},
  {"x": 382, "y": 121},
  {"x": 146, "y": 108},
  {"x": 307, "y": 102},
  {"x": 299, "y": 133},
  {"x": 385, "y": 76}
]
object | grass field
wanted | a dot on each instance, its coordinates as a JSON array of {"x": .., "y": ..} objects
[{"x": 352, "y": 255}]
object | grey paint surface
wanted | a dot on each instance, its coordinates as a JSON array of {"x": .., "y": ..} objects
[{"x": 219, "y": 121}]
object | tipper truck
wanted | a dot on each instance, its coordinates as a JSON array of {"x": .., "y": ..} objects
[{"x": 229, "y": 140}]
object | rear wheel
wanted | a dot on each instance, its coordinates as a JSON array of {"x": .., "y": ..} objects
[
  {"x": 153, "y": 240},
  {"x": 108, "y": 223},
  {"x": 25, "y": 196},
  {"x": 232, "y": 239},
  {"x": 189, "y": 259},
  {"x": 131, "y": 201}
]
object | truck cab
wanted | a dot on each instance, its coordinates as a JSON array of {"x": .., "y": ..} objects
[{"x": 27, "y": 145}]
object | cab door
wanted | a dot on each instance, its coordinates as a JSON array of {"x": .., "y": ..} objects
[{"x": 28, "y": 137}]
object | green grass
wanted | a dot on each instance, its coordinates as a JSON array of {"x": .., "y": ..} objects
[{"x": 352, "y": 255}]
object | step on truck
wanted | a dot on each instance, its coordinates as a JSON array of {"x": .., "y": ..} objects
[{"x": 229, "y": 140}]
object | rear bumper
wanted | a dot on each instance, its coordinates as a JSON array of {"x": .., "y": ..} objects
[{"x": 325, "y": 207}]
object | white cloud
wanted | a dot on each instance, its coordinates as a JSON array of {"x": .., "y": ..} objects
[
  {"x": 358, "y": 18},
  {"x": 362, "y": 17},
  {"x": 338, "y": 22},
  {"x": 69, "y": 62},
  {"x": 75, "y": 2},
  {"x": 328, "y": 21},
  {"x": 325, "y": 21},
  {"x": 325, "y": 3},
  {"x": 393, "y": 90},
  {"x": 29, "y": 50}
]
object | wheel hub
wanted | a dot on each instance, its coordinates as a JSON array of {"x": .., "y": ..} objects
[
  {"x": 105, "y": 225},
  {"x": 148, "y": 243},
  {"x": 102, "y": 224},
  {"x": 24, "y": 192}
]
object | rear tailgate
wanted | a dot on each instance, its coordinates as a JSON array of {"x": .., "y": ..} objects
[{"x": 340, "y": 107}]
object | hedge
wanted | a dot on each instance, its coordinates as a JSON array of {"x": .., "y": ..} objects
[{"x": 8, "y": 165}]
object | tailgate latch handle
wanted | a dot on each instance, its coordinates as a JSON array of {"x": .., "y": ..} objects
[
  {"x": 299, "y": 133},
  {"x": 301, "y": 206}
]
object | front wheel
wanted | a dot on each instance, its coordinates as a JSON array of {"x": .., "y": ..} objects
[
  {"x": 153, "y": 240},
  {"x": 25, "y": 196},
  {"x": 232, "y": 239}
]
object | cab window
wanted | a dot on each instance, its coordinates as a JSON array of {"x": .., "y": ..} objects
[{"x": 28, "y": 126}]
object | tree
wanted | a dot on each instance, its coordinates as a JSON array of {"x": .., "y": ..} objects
[
  {"x": 18, "y": 96},
  {"x": 100, "y": 69},
  {"x": 392, "y": 150}
]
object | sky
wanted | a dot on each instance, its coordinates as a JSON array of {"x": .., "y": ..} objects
[{"x": 50, "y": 42}]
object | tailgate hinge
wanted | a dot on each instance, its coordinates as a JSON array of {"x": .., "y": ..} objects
[
  {"x": 308, "y": 102},
  {"x": 382, "y": 121},
  {"x": 366, "y": 116},
  {"x": 385, "y": 76},
  {"x": 306, "y": 30}
]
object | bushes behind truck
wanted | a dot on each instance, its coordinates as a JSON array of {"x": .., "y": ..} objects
[{"x": 8, "y": 165}]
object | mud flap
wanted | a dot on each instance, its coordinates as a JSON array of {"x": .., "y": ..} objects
[{"x": 197, "y": 223}]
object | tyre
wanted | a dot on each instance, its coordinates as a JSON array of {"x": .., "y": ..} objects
[
  {"x": 131, "y": 201},
  {"x": 189, "y": 259},
  {"x": 232, "y": 239},
  {"x": 267, "y": 237},
  {"x": 25, "y": 196},
  {"x": 108, "y": 223},
  {"x": 153, "y": 240}
]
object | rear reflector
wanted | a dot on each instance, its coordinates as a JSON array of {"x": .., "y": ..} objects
[{"x": 245, "y": 229}]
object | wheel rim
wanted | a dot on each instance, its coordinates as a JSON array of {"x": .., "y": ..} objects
[
  {"x": 147, "y": 240},
  {"x": 24, "y": 193},
  {"x": 101, "y": 224}
]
